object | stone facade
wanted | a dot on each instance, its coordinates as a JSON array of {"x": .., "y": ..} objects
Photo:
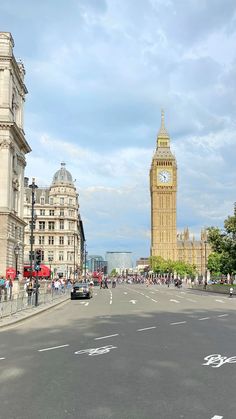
[
  {"x": 165, "y": 241},
  {"x": 58, "y": 228},
  {"x": 13, "y": 147}
]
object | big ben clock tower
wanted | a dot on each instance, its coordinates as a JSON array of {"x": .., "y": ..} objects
[{"x": 163, "y": 188}]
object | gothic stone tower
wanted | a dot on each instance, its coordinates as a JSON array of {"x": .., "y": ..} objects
[
  {"x": 13, "y": 147},
  {"x": 163, "y": 188}
]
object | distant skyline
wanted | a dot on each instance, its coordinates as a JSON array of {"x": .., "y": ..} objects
[{"x": 98, "y": 74}]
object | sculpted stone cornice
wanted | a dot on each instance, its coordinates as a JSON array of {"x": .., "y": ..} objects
[
  {"x": 21, "y": 160},
  {"x": 6, "y": 143},
  {"x": 18, "y": 135}
]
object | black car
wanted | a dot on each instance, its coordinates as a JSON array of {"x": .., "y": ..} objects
[{"x": 81, "y": 290}]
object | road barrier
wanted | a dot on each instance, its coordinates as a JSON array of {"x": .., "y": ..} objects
[{"x": 10, "y": 305}]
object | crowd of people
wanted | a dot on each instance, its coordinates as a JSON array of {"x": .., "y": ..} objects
[{"x": 6, "y": 286}]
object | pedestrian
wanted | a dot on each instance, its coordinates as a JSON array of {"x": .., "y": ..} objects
[
  {"x": 2, "y": 286},
  {"x": 29, "y": 290},
  {"x": 231, "y": 290}
]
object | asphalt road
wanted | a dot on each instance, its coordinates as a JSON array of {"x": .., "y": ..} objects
[{"x": 134, "y": 352}]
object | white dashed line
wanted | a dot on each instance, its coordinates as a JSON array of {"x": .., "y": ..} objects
[
  {"x": 219, "y": 301},
  {"x": 53, "y": 347},
  {"x": 155, "y": 301},
  {"x": 106, "y": 337},
  {"x": 173, "y": 324},
  {"x": 2, "y": 359},
  {"x": 204, "y": 318},
  {"x": 125, "y": 293},
  {"x": 222, "y": 315},
  {"x": 86, "y": 304},
  {"x": 146, "y": 328},
  {"x": 217, "y": 417},
  {"x": 174, "y": 301}
]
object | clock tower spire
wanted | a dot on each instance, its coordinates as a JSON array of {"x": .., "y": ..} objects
[{"x": 163, "y": 189}]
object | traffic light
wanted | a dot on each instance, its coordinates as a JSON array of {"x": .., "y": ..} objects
[{"x": 38, "y": 259}]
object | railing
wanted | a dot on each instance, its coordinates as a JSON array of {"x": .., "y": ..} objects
[{"x": 12, "y": 304}]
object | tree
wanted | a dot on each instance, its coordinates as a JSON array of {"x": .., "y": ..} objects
[
  {"x": 214, "y": 263},
  {"x": 223, "y": 243}
]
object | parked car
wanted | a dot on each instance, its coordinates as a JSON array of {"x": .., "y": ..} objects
[{"x": 81, "y": 290}]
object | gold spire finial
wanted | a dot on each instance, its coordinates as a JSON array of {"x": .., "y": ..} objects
[{"x": 162, "y": 132}]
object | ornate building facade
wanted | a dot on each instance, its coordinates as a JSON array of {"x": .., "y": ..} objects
[
  {"x": 165, "y": 241},
  {"x": 58, "y": 228},
  {"x": 13, "y": 147}
]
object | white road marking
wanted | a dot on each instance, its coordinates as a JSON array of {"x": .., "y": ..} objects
[
  {"x": 217, "y": 417},
  {"x": 192, "y": 301},
  {"x": 173, "y": 324},
  {"x": 146, "y": 328},
  {"x": 105, "y": 337},
  {"x": 204, "y": 318},
  {"x": 86, "y": 304},
  {"x": 82, "y": 302},
  {"x": 96, "y": 351},
  {"x": 220, "y": 301},
  {"x": 110, "y": 301},
  {"x": 155, "y": 301},
  {"x": 133, "y": 301},
  {"x": 2, "y": 358},
  {"x": 182, "y": 292},
  {"x": 125, "y": 293},
  {"x": 174, "y": 301},
  {"x": 53, "y": 347},
  {"x": 222, "y": 315}
]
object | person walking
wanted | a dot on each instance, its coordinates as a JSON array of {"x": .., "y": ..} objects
[
  {"x": 231, "y": 290},
  {"x": 29, "y": 290}
]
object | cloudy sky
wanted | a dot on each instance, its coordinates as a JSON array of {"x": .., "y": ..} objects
[{"x": 98, "y": 74}]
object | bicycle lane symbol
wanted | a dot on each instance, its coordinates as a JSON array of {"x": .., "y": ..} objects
[{"x": 96, "y": 351}]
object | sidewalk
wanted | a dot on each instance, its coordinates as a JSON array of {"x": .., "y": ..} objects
[{"x": 26, "y": 313}]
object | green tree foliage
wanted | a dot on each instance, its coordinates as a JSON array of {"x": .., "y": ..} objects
[
  {"x": 223, "y": 243},
  {"x": 214, "y": 263},
  {"x": 162, "y": 266}
]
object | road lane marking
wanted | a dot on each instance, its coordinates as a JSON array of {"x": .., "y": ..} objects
[
  {"x": 174, "y": 301},
  {"x": 173, "y": 324},
  {"x": 155, "y": 301},
  {"x": 222, "y": 315},
  {"x": 133, "y": 301},
  {"x": 106, "y": 337},
  {"x": 96, "y": 351},
  {"x": 53, "y": 347},
  {"x": 86, "y": 304},
  {"x": 217, "y": 417},
  {"x": 192, "y": 301},
  {"x": 146, "y": 328},
  {"x": 219, "y": 301},
  {"x": 125, "y": 293},
  {"x": 2, "y": 359},
  {"x": 182, "y": 292},
  {"x": 204, "y": 318}
]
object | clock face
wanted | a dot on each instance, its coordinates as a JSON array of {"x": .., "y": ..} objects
[{"x": 164, "y": 176}]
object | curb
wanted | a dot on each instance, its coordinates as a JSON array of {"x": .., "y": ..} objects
[{"x": 32, "y": 314}]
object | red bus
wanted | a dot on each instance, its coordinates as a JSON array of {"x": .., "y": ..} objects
[{"x": 43, "y": 273}]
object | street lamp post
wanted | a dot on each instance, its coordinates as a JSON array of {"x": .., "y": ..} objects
[
  {"x": 16, "y": 251},
  {"x": 33, "y": 187},
  {"x": 205, "y": 251}
]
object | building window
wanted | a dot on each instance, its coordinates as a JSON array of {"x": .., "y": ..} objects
[
  {"x": 42, "y": 255},
  {"x": 50, "y": 256},
  {"x": 70, "y": 240},
  {"x": 62, "y": 213},
  {"x": 51, "y": 225},
  {"x": 61, "y": 239},
  {"x": 50, "y": 239},
  {"x": 42, "y": 212},
  {"x": 61, "y": 201},
  {"x": 61, "y": 225},
  {"x": 71, "y": 213},
  {"x": 51, "y": 213},
  {"x": 71, "y": 225},
  {"x": 61, "y": 256},
  {"x": 70, "y": 201},
  {"x": 41, "y": 225},
  {"x": 70, "y": 256},
  {"x": 51, "y": 201},
  {"x": 41, "y": 239},
  {"x": 42, "y": 200}
]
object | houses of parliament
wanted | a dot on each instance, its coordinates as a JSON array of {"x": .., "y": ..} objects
[{"x": 165, "y": 241}]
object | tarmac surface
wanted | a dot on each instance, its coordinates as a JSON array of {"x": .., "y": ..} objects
[{"x": 133, "y": 352}]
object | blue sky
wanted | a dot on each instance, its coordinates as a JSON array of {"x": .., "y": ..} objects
[{"x": 98, "y": 74}]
